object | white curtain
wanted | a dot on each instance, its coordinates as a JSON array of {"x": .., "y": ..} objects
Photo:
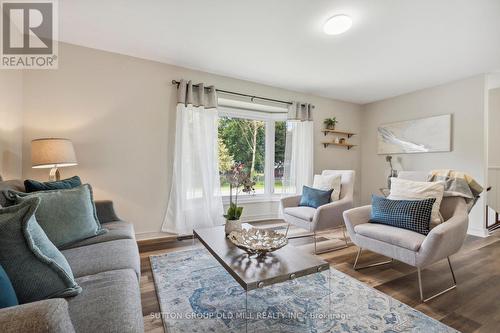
[
  {"x": 299, "y": 149},
  {"x": 195, "y": 199}
]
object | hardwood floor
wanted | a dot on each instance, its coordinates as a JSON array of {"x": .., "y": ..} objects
[{"x": 473, "y": 307}]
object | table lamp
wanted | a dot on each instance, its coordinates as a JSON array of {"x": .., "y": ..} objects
[{"x": 52, "y": 153}]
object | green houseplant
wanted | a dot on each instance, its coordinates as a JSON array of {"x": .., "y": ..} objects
[
  {"x": 239, "y": 181},
  {"x": 330, "y": 123}
]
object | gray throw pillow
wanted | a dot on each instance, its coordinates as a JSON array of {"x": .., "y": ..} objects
[
  {"x": 66, "y": 216},
  {"x": 36, "y": 268}
]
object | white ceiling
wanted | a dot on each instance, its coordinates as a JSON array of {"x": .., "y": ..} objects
[{"x": 394, "y": 47}]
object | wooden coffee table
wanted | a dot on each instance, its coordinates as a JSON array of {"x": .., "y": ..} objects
[{"x": 253, "y": 272}]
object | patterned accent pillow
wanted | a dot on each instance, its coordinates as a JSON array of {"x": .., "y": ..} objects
[
  {"x": 403, "y": 189},
  {"x": 414, "y": 215}
]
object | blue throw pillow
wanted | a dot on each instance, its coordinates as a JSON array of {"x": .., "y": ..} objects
[
  {"x": 312, "y": 197},
  {"x": 7, "y": 294},
  {"x": 35, "y": 186},
  {"x": 414, "y": 215},
  {"x": 36, "y": 268}
]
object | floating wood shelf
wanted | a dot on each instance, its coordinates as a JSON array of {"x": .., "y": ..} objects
[
  {"x": 348, "y": 134},
  {"x": 347, "y": 145}
]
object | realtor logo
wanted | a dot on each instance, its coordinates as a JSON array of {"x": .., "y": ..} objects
[{"x": 29, "y": 34}]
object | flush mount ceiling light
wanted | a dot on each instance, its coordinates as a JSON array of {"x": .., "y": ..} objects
[{"x": 337, "y": 24}]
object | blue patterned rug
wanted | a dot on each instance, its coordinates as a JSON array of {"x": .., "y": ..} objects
[{"x": 196, "y": 294}]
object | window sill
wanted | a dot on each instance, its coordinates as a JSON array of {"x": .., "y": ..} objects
[{"x": 243, "y": 199}]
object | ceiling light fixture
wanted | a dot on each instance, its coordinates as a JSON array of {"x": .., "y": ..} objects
[{"x": 337, "y": 24}]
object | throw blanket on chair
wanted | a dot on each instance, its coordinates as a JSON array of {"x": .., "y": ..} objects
[{"x": 458, "y": 184}]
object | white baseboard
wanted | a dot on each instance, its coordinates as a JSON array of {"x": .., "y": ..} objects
[{"x": 478, "y": 232}]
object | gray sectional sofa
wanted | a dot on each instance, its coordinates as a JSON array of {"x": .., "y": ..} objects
[{"x": 107, "y": 267}]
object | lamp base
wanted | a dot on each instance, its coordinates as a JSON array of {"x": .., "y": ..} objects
[{"x": 54, "y": 175}]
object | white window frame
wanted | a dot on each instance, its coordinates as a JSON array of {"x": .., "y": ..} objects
[{"x": 270, "y": 118}]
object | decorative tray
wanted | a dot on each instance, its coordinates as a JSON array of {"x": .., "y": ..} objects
[{"x": 258, "y": 241}]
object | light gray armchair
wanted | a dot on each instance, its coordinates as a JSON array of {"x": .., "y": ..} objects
[
  {"x": 325, "y": 217},
  {"x": 410, "y": 247}
]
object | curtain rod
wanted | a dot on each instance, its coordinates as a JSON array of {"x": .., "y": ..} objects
[{"x": 243, "y": 95}]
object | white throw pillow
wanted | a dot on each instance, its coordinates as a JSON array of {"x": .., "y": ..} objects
[
  {"x": 327, "y": 183},
  {"x": 403, "y": 189}
]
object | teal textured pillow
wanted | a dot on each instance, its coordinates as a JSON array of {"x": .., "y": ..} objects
[
  {"x": 66, "y": 216},
  {"x": 7, "y": 294},
  {"x": 312, "y": 197},
  {"x": 35, "y": 186},
  {"x": 36, "y": 268}
]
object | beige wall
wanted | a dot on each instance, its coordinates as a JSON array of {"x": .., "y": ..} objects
[
  {"x": 465, "y": 100},
  {"x": 11, "y": 118},
  {"x": 120, "y": 113}
]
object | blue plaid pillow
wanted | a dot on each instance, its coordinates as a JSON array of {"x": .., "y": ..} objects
[{"x": 414, "y": 215}]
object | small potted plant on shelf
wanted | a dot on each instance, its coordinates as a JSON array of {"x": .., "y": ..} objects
[
  {"x": 330, "y": 123},
  {"x": 239, "y": 181}
]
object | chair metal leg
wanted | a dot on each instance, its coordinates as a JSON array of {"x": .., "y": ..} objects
[
  {"x": 419, "y": 274},
  {"x": 327, "y": 250},
  {"x": 370, "y": 265},
  {"x": 315, "y": 246},
  {"x": 314, "y": 236},
  {"x": 451, "y": 269},
  {"x": 422, "y": 299},
  {"x": 357, "y": 257},
  {"x": 345, "y": 237}
]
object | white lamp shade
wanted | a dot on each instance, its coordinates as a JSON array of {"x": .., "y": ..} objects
[{"x": 51, "y": 153}]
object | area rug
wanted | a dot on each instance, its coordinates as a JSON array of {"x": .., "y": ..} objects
[{"x": 196, "y": 294}]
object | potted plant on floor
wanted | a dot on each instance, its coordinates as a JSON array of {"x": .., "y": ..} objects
[
  {"x": 239, "y": 181},
  {"x": 330, "y": 123}
]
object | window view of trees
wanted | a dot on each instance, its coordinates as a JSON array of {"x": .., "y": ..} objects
[
  {"x": 279, "y": 154},
  {"x": 244, "y": 140}
]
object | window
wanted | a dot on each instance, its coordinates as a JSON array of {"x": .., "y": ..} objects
[
  {"x": 257, "y": 140},
  {"x": 280, "y": 129}
]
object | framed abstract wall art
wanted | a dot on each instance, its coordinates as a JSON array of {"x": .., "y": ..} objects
[{"x": 426, "y": 135}]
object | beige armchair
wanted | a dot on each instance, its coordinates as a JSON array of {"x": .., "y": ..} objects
[
  {"x": 410, "y": 247},
  {"x": 323, "y": 218}
]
